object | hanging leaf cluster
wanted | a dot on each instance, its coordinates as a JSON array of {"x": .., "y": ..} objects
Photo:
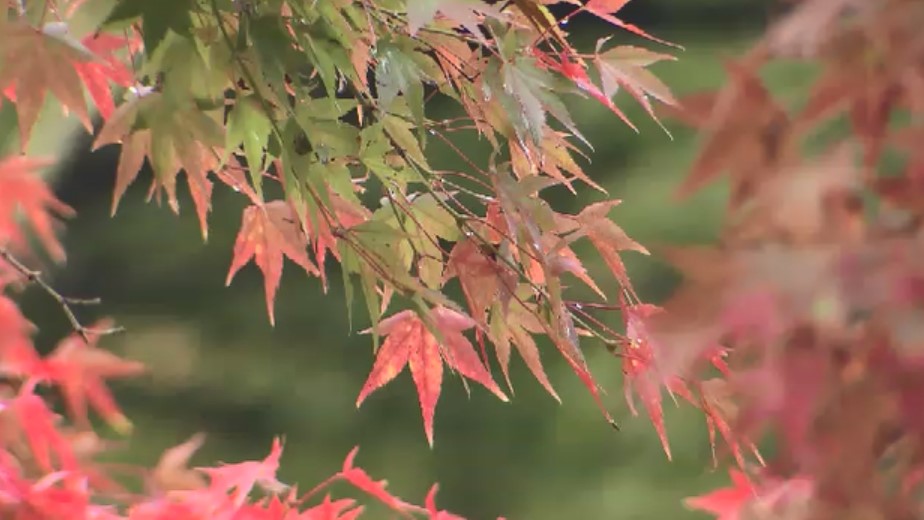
[{"x": 321, "y": 115}]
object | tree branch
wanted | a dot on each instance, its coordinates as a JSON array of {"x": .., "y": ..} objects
[{"x": 66, "y": 303}]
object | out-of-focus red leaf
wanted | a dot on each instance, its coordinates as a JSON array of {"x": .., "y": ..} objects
[
  {"x": 80, "y": 369},
  {"x": 726, "y": 503},
  {"x": 172, "y": 471},
  {"x": 22, "y": 191},
  {"x": 328, "y": 509},
  {"x": 37, "y": 423},
  {"x": 747, "y": 134},
  {"x": 240, "y": 478}
]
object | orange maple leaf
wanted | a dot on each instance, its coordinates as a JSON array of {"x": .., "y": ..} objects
[
  {"x": 411, "y": 343},
  {"x": 267, "y": 233}
]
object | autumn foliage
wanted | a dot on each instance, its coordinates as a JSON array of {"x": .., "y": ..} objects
[{"x": 801, "y": 327}]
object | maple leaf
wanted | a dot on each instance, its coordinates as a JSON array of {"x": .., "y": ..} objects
[
  {"x": 37, "y": 424},
  {"x": 716, "y": 403},
  {"x": 268, "y": 233},
  {"x": 22, "y": 189},
  {"x": 605, "y": 235},
  {"x": 410, "y": 342},
  {"x": 13, "y": 326},
  {"x": 433, "y": 512},
  {"x": 747, "y": 134},
  {"x": 559, "y": 259},
  {"x": 554, "y": 159},
  {"x": 99, "y": 72},
  {"x": 171, "y": 472},
  {"x": 172, "y": 139},
  {"x": 773, "y": 496},
  {"x": 576, "y": 71},
  {"x": 726, "y": 503},
  {"x": 344, "y": 215},
  {"x": 624, "y": 66},
  {"x": 240, "y": 478},
  {"x": 480, "y": 277},
  {"x": 465, "y": 12},
  {"x": 813, "y": 202},
  {"x": 36, "y": 61},
  {"x": 603, "y": 9},
  {"x": 54, "y": 496},
  {"x": 80, "y": 369},
  {"x": 106, "y": 70},
  {"x": 515, "y": 324},
  {"x": 362, "y": 481},
  {"x": 639, "y": 371},
  {"x": 328, "y": 509}
]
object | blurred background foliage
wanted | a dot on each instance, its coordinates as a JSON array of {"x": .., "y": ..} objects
[{"x": 217, "y": 366}]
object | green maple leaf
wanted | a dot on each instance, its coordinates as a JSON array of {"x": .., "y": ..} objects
[{"x": 156, "y": 18}]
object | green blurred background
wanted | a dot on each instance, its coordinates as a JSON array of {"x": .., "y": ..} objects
[{"x": 217, "y": 366}]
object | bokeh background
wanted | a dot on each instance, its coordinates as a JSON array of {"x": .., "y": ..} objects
[{"x": 217, "y": 366}]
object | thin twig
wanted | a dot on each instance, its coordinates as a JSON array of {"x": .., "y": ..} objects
[{"x": 35, "y": 277}]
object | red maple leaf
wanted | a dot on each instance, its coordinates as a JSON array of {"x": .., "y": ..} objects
[
  {"x": 576, "y": 71},
  {"x": 433, "y": 512},
  {"x": 604, "y": 9},
  {"x": 343, "y": 509},
  {"x": 100, "y": 74},
  {"x": 37, "y": 424},
  {"x": 268, "y": 233},
  {"x": 239, "y": 479},
  {"x": 639, "y": 371},
  {"x": 23, "y": 190},
  {"x": 410, "y": 342},
  {"x": 726, "y": 503},
  {"x": 362, "y": 481}
]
